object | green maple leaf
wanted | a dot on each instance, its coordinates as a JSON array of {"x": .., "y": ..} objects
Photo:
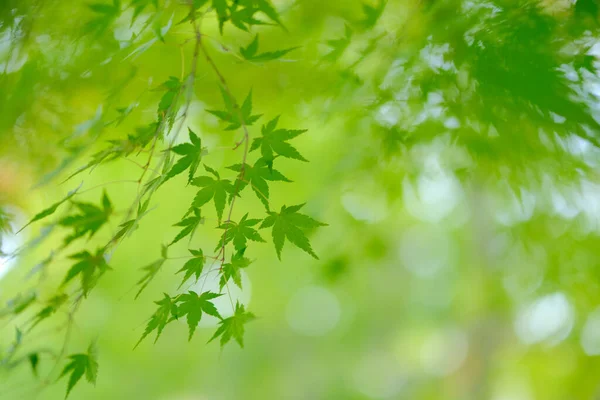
[
  {"x": 79, "y": 365},
  {"x": 193, "y": 266},
  {"x": 151, "y": 271},
  {"x": 233, "y": 326},
  {"x": 193, "y": 306},
  {"x": 212, "y": 189},
  {"x": 232, "y": 270},
  {"x": 250, "y": 52},
  {"x": 232, "y": 115},
  {"x": 274, "y": 141},
  {"x": 189, "y": 225},
  {"x": 52, "y": 305},
  {"x": 240, "y": 232},
  {"x": 89, "y": 219},
  {"x": 290, "y": 224},
  {"x": 257, "y": 176},
  {"x": 166, "y": 312},
  {"x": 191, "y": 155},
  {"x": 89, "y": 267},
  {"x": 50, "y": 210}
]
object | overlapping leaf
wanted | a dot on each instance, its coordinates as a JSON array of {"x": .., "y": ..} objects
[
  {"x": 240, "y": 232},
  {"x": 232, "y": 270},
  {"x": 257, "y": 176}
]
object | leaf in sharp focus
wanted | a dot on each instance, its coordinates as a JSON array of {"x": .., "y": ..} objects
[
  {"x": 79, "y": 365},
  {"x": 232, "y": 270},
  {"x": 233, "y": 326},
  {"x": 275, "y": 141},
  {"x": 192, "y": 306},
  {"x": 191, "y": 155},
  {"x": 239, "y": 233},
  {"x": 193, "y": 266},
  {"x": 50, "y": 210},
  {"x": 189, "y": 225},
  {"x": 257, "y": 176},
  {"x": 215, "y": 189},
  {"x": 166, "y": 312},
  {"x": 290, "y": 224}
]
